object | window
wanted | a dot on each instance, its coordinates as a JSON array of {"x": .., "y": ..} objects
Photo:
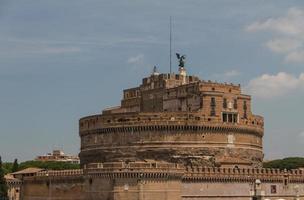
[
  {"x": 212, "y": 105},
  {"x": 230, "y": 117},
  {"x": 235, "y": 104},
  {"x": 273, "y": 189},
  {"x": 225, "y": 103},
  {"x": 245, "y": 109},
  {"x": 212, "y": 101},
  {"x": 224, "y": 117}
]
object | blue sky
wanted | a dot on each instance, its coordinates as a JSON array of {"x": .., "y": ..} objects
[{"x": 61, "y": 60}]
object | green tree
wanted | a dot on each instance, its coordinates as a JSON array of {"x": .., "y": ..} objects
[
  {"x": 3, "y": 186},
  {"x": 51, "y": 165},
  {"x": 285, "y": 163},
  {"x": 15, "y": 166}
]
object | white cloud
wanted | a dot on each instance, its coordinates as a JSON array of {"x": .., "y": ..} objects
[
  {"x": 136, "y": 60},
  {"x": 290, "y": 29},
  {"x": 232, "y": 73},
  {"x": 295, "y": 56},
  {"x": 283, "y": 45},
  {"x": 290, "y": 24},
  {"x": 227, "y": 76},
  {"x": 267, "y": 86}
]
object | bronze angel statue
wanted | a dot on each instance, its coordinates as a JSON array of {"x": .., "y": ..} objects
[{"x": 181, "y": 59}]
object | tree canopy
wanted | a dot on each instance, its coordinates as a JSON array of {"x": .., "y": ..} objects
[
  {"x": 285, "y": 163},
  {"x": 48, "y": 165},
  {"x": 3, "y": 186},
  {"x": 13, "y": 167}
]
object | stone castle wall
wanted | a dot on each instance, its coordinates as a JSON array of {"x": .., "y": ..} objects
[
  {"x": 178, "y": 138},
  {"x": 149, "y": 181}
]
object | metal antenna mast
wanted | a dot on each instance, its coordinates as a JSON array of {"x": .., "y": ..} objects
[{"x": 170, "y": 44}]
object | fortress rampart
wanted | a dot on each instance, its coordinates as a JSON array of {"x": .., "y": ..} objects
[
  {"x": 174, "y": 137},
  {"x": 119, "y": 180}
]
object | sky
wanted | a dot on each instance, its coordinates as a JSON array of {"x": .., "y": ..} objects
[{"x": 61, "y": 60}]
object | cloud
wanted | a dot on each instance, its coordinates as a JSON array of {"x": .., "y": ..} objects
[
  {"x": 295, "y": 56},
  {"x": 291, "y": 24},
  {"x": 283, "y": 45},
  {"x": 288, "y": 32},
  {"x": 232, "y": 73},
  {"x": 227, "y": 76},
  {"x": 268, "y": 86},
  {"x": 136, "y": 60},
  {"x": 59, "y": 50}
]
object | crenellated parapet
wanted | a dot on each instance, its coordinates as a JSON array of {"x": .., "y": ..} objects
[
  {"x": 206, "y": 174},
  {"x": 135, "y": 170}
]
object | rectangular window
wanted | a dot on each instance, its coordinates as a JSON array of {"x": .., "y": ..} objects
[
  {"x": 230, "y": 117},
  {"x": 245, "y": 109},
  {"x": 225, "y": 103},
  {"x": 273, "y": 189},
  {"x": 224, "y": 117},
  {"x": 212, "y": 105},
  {"x": 235, "y": 104},
  {"x": 212, "y": 101}
]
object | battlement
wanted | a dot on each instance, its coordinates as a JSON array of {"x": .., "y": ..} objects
[
  {"x": 60, "y": 173},
  {"x": 243, "y": 174},
  {"x": 135, "y": 170},
  {"x": 160, "y": 169},
  {"x": 134, "y": 166}
]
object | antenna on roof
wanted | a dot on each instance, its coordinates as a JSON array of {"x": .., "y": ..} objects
[{"x": 170, "y": 44}]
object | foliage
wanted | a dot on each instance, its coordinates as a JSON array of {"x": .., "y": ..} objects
[
  {"x": 7, "y": 167},
  {"x": 48, "y": 165},
  {"x": 3, "y": 186},
  {"x": 285, "y": 163},
  {"x": 15, "y": 166}
]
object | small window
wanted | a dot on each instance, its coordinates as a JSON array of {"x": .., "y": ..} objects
[
  {"x": 273, "y": 189},
  {"x": 225, "y": 103},
  {"x": 224, "y": 117},
  {"x": 235, "y": 104},
  {"x": 212, "y": 103},
  {"x": 230, "y": 118},
  {"x": 245, "y": 109}
]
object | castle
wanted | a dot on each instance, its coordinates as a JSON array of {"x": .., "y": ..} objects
[{"x": 174, "y": 137}]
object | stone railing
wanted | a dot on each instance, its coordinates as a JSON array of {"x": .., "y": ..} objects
[
  {"x": 135, "y": 170},
  {"x": 243, "y": 174},
  {"x": 52, "y": 173},
  {"x": 133, "y": 165}
]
